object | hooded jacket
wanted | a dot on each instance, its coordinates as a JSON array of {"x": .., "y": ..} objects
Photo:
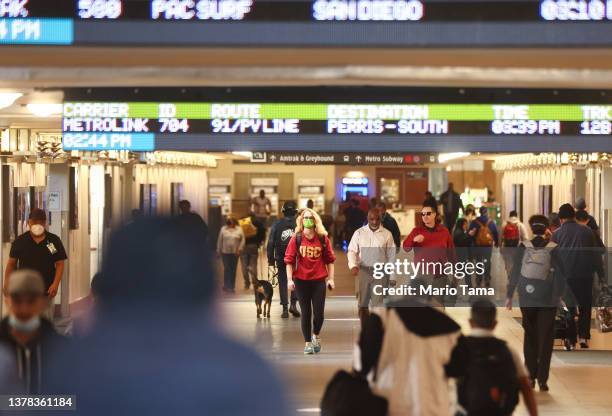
[
  {"x": 405, "y": 351},
  {"x": 32, "y": 361}
]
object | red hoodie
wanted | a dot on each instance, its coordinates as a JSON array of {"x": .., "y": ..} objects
[{"x": 312, "y": 259}]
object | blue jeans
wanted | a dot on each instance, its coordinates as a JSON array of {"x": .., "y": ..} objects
[{"x": 230, "y": 263}]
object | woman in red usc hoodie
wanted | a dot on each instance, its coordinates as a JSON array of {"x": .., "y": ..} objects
[
  {"x": 432, "y": 244},
  {"x": 309, "y": 259}
]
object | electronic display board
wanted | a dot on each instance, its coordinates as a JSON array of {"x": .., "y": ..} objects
[
  {"x": 362, "y": 118},
  {"x": 399, "y": 23}
]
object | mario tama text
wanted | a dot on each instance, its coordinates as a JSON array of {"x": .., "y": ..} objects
[{"x": 432, "y": 290}]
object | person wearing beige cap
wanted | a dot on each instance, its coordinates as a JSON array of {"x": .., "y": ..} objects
[
  {"x": 33, "y": 339},
  {"x": 37, "y": 249}
]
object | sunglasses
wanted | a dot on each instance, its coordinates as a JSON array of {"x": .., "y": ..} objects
[{"x": 426, "y": 214}]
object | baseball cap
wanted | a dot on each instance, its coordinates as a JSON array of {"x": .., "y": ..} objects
[
  {"x": 289, "y": 207},
  {"x": 26, "y": 281}
]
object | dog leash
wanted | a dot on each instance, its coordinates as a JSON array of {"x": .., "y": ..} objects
[{"x": 273, "y": 279}]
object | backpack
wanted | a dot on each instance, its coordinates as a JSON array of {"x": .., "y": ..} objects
[
  {"x": 248, "y": 228},
  {"x": 490, "y": 384},
  {"x": 536, "y": 263},
  {"x": 282, "y": 236},
  {"x": 511, "y": 235},
  {"x": 349, "y": 394},
  {"x": 484, "y": 237}
]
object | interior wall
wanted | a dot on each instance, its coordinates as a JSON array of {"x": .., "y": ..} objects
[
  {"x": 194, "y": 180},
  {"x": 78, "y": 242},
  {"x": 477, "y": 179},
  {"x": 226, "y": 169},
  {"x": 560, "y": 177}
]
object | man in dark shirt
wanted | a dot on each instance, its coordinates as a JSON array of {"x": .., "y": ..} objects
[
  {"x": 355, "y": 218},
  {"x": 451, "y": 203},
  {"x": 390, "y": 224},
  {"x": 591, "y": 223},
  {"x": 39, "y": 250},
  {"x": 187, "y": 215},
  {"x": 577, "y": 253}
]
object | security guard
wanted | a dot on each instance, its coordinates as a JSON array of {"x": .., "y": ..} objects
[
  {"x": 38, "y": 249},
  {"x": 280, "y": 235}
]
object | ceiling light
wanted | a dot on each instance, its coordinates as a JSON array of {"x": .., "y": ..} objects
[
  {"x": 45, "y": 109},
  {"x": 8, "y": 98},
  {"x": 445, "y": 157}
]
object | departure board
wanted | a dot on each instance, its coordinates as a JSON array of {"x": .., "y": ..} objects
[
  {"x": 148, "y": 125},
  {"x": 400, "y": 23}
]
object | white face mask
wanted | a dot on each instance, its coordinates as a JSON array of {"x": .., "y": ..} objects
[
  {"x": 37, "y": 230},
  {"x": 27, "y": 327}
]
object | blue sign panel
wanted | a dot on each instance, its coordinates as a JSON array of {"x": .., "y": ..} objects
[
  {"x": 136, "y": 142},
  {"x": 42, "y": 31}
]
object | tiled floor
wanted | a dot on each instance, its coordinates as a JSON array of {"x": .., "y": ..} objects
[{"x": 580, "y": 383}]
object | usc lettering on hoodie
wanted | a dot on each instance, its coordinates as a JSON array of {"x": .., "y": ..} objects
[{"x": 311, "y": 257}]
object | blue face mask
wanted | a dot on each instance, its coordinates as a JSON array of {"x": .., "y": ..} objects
[{"x": 27, "y": 327}]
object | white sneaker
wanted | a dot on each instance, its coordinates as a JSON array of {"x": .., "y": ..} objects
[
  {"x": 316, "y": 344},
  {"x": 308, "y": 349}
]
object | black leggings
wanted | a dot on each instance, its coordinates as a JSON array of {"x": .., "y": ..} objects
[{"x": 311, "y": 295}]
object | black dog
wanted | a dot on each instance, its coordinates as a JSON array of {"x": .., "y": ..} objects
[{"x": 263, "y": 294}]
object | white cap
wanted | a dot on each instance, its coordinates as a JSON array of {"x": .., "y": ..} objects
[{"x": 26, "y": 281}]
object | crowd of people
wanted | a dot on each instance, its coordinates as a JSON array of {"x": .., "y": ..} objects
[{"x": 551, "y": 264}]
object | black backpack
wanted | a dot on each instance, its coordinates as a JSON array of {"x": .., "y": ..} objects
[
  {"x": 282, "y": 235},
  {"x": 489, "y": 385},
  {"x": 349, "y": 394}
]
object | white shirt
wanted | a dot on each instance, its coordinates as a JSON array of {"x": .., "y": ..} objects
[
  {"x": 368, "y": 247},
  {"x": 521, "y": 370}
]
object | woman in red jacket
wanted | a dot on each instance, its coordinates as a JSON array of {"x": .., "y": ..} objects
[
  {"x": 310, "y": 269},
  {"x": 432, "y": 244}
]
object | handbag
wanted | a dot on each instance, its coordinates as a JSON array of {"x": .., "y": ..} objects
[
  {"x": 349, "y": 394},
  {"x": 604, "y": 310}
]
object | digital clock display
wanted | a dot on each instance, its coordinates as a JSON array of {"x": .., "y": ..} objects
[
  {"x": 154, "y": 124},
  {"x": 366, "y": 23}
]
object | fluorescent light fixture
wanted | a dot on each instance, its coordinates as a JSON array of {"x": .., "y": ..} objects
[
  {"x": 445, "y": 157},
  {"x": 7, "y": 99},
  {"x": 248, "y": 155},
  {"x": 44, "y": 109}
]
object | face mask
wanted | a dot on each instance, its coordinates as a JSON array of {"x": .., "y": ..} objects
[
  {"x": 309, "y": 223},
  {"x": 37, "y": 230},
  {"x": 374, "y": 228},
  {"x": 28, "y": 326}
]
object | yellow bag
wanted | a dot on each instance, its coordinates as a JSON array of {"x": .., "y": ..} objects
[{"x": 248, "y": 228}]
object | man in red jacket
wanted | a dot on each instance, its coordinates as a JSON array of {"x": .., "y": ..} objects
[{"x": 432, "y": 243}]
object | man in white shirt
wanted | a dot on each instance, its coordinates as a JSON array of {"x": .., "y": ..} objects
[{"x": 369, "y": 245}]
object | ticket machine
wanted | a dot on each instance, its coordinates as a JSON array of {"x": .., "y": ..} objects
[
  {"x": 356, "y": 186},
  {"x": 270, "y": 187},
  {"x": 220, "y": 194},
  {"x": 312, "y": 189}
]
